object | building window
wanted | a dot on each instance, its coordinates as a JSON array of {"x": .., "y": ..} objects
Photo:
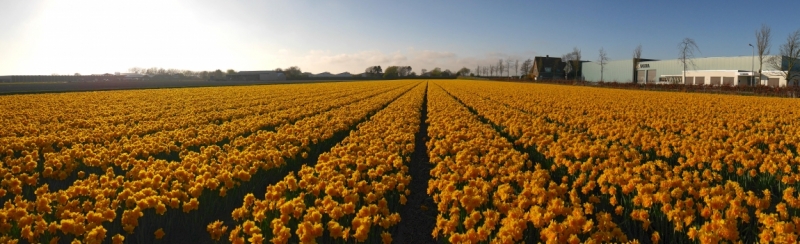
[
  {"x": 728, "y": 81},
  {"x": 671, "y": 79},
  {"x": 700, "y": 80},
  {"x": 547, "y": 69},
  {"x": 716, "y": 80}
]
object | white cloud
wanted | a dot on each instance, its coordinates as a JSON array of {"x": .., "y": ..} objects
[
  {"x": 435, "y": 55},
  {"x": 365, "y": 57}
]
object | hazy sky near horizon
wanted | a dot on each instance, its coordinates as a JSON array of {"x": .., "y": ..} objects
[{"x": 41, "y": 37}]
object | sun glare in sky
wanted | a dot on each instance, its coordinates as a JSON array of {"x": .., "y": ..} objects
[
  {"x": 108, "y": 36},
  {"x": 42, "y": 37}
]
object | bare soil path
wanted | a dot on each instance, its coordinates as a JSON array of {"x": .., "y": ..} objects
[{"x": 418, "y": 216}]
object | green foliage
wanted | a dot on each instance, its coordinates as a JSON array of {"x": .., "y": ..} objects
[
  {"x": 373, "y": 70},
  {"x": 293, "y": 72},
  {"x": 218, "y": 74},
  {"x": 436, "y": 72},
  {"x": 391, "y": 72},
  {"x": 463, "y": 71}
]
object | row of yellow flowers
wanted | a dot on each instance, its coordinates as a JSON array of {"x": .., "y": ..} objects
[
  {"x": 27, "y": 169},
  {"x": 475, "y": 176},
  {"x": 352, "y": 193},
  {"x": 59, "y": 120},
  {"x": 680, "y": 170},
  {"x": 123, "y": 187},
  {"x": 103, "y": 152}
]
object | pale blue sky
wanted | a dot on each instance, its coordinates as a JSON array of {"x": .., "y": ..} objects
[{"x": 98, "y": 36}]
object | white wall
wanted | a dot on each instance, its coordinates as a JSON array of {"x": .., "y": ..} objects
[
  {"x": 707, "y": 74},
  {"x": 617, "y": 70},
  {"x": 765, "y": 75}
]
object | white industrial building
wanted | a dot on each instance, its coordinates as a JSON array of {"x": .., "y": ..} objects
[{"x": 731, "y": 71}]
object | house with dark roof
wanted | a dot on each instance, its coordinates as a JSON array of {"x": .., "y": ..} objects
[
  {"x": 547, "y": 68},
  {"x": 550, "y": 68}
]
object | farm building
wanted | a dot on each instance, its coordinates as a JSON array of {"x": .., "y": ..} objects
[
  {"x": 552, "y": 68},
  {"x": 618, "y": 70},
  {"x": 547, "y": 68},
  {"x": 734, "y": 71},
  {"x": 257, "y": 75}
]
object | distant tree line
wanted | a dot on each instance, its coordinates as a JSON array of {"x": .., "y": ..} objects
[
  {"x": 394, "y": 72},
  {"x": 157, "y": 73},
  {"x": 292, "y": 72},
  {"x": 504, "y": 68}
]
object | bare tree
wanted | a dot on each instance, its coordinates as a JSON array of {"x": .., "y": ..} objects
[
  {"x": 577, "y": 62},
  {"x": 500, "y": 67},
  {"x": 603, "y": 60},
  {"x": 491, "y": 70},
  {"x": 573, "y": 60},
  {"x": 508, "y": 67},
  {"x": 787, "y": 60},
  {"x": 637, "y": 57},
  {"x": 687, "y": 48},
  {"x": 526, "y": 67},
  {"x": 568, "y": 67},
  {"x": 516, "y": 68},
  {"x": 136, "y": 70},
  {"x": 763, "y": 37}
]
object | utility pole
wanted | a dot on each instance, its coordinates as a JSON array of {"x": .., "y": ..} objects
[{"x": 752, "y": 58}]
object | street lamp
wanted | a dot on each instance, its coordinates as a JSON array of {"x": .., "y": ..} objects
[{"x": 752, "y": 58}]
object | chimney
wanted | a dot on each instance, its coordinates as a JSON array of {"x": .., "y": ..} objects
[{"x": 547, "y": 56}]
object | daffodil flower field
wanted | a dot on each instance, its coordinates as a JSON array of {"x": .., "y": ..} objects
[{"x": 330, "y": 163}]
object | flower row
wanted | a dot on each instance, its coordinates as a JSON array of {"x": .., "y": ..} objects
[
  {"x": 352, "y": 193},
  {"x": 667, "y": 193},
  {"x": 110, "y": 196}
]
